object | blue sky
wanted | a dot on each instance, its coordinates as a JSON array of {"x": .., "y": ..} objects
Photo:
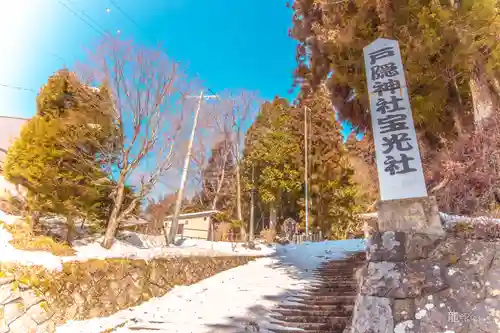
[{"x": 228, "y": 44}]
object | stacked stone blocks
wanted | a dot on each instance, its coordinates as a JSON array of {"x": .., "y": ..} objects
[{"x": 421, "y": 278}]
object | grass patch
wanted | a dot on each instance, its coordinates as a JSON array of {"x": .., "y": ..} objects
[{"x": 23, "y": 238}]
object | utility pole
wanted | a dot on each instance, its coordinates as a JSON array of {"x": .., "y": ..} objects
[
  {"x": 252, "y": 207},
  {"x": 170, "y": 237},
  {"x": 305, "y": 172}
]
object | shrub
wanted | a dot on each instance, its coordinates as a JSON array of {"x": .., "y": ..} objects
[
  {"x": 223, "y": 231},
  {"x": 23, "y": 238},
  {"x": 467, "y": 175},
  {"x": 268, "y": 235}
]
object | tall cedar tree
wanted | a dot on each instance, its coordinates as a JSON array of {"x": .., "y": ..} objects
[
  {"x": 43, "y": 158},
  {"x": 361, "y": 155},
  {"x": 273, "y": 149},
  {"x": 449, "y": 50},
  {"x": 333, "y": 192},
  {"x": 450, "y": 53}
]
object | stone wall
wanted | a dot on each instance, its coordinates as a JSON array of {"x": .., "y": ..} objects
[
  {"x": 21, "y": 310},
  {"x": 84, "y": 290},
  {"x": 423, "y": 278}
]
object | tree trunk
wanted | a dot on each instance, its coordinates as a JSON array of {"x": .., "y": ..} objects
[
  {"x": 483, "y": 96},
  {"x": 34, "y": 220},
  {"x": 457, "y": 121},
  {"x": 219, "y": 183},
  {"x": 243, "y": 232},
  {"x": 70, "y": 229},
  {"x": 251, "y": 230},
  {"x": 238, "y": 191},
  {"x": 272, "y": 217},
  {"x": 113, "y": 221}
]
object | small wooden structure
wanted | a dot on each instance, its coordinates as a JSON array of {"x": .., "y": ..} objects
[{"x": 197, "y": 225}]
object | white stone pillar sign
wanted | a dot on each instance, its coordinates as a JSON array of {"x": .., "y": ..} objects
[{"x": 399, "y": 164}]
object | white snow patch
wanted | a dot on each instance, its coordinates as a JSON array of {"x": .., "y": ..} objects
[
  {"x": 138, "y": 246},
  {"x": 7, "y": 218},
  {"x": 420, "y": 314},
  {"x": 233, "y": 298},
  {"x": 151, "y": 248},
  {"x": 121, "y": 249},
  {"x": 28, "y": 258},
  {"x": 7, "y": 189},
  {"x": 449, "y": 220},
  {"x": 429, "y": 306},
  {"x": 403, "y": 326},
  {"x": 309, "y": 255}
]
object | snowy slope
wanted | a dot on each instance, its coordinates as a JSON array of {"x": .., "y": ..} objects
[
  {"x": 228, "y": 301},
  {"x": 8, "y": 189},
  {"x": 120, "y": 249}
]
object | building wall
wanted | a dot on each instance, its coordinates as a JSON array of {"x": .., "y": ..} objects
[
  {"x": 195, "y": 227},
  {"x": 10, "y": 128}
]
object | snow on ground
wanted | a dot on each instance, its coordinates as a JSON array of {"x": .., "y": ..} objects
[
  {"x": 188, "y": 247},
  {"x": 227, "y": 301},
  {"x": 309, "y": 255},
  {"x": 449, "y": 220},
  {"x": 7, "y": 218},
  {"x": 7, "y": 189},
  {"x": 132, "y": 245}
]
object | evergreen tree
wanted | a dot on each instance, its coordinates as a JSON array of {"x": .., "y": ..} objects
[
  {"x": 273, "y": 149},
  {"x": 450, "y": 53},
  {"x": 43, "y": 158},
  {"x": 334, "y": 195},
  {"x": 361, "y": 156}
]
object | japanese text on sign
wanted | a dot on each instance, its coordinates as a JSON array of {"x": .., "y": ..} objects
[{"x": 398, "y": 158}]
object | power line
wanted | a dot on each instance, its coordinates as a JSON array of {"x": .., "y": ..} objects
[
  {"x": 81, "y": 18},
  {"x": 17, "y": 88},
  {"x": 124, "y": 13},
  {"x": 57, "y": 57},
  {"x": 90, "y": 18}
]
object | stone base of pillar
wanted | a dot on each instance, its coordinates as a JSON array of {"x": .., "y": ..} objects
[{"x": 400, "y": 269}]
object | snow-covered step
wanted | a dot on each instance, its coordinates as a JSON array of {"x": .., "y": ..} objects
[{"x": 325, "y": 305}]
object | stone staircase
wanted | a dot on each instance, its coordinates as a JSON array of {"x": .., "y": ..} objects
[{"x": 326, "y": 305}]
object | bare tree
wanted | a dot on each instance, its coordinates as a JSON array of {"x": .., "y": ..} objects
[
  {"x": 243, "y": 107},
  {"x": 220, "y": 124},
  {"x": 228, "y": 121},
  {"x": 147, "y": 90}
]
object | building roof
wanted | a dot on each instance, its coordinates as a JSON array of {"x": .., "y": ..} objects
[
  {"x": 196, "y": 214},
  {"x": 133, "y": 221},
  {"x": 369, "y": 215}
]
